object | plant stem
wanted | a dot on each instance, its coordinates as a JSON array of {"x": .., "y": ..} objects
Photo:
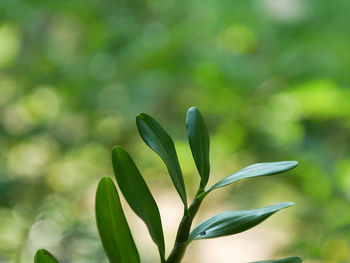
[{"x": 184, "y": 230}]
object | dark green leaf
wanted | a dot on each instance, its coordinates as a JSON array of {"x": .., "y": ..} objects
[
  {"x": 112, "y": 225},
  {"x": 159, "y": 141},
  {"x": 259, "y": 169},
  {"x": 43, "y": 256},
  {"x": 198, "y": 137},
  {"x": 234, "y": 222},
  {"x": 137, "y": 194},
  {"x": 282, "y": 260}
]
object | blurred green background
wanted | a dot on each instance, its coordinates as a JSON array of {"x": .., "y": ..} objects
[{"x": 271, "y": 78}]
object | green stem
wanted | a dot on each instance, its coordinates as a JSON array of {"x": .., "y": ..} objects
[{"x": 184, "y": 229}]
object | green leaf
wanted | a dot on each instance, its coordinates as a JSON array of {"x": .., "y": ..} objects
[
  {"x": 282, "y": 260},
  {"x": 159, "y": 141},
  {"x": 138, "y": 195},
  {"x": 43, "y": 256},
  {"x": 198, "y": 137},
  {"x": 258, "y": 169},
  {"x": 234, "y": 222},
  {"x": 112, "y": 225}
]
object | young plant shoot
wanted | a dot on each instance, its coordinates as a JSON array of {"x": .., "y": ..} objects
[{"x": 112, "y": 225}]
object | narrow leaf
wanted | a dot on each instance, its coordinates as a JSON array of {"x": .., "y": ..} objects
[
  {"x": 112, "y": 225},
  {"x": 282, "y": 260},
  {"x": 43, "y": 256},
  {"x": 159, "y": 141},
  {"x": 138, "y": 195},
  {"x": 198, "y": 137},
  {"x": 234, "y": 222},
  {"x": 258, "y": 169}
]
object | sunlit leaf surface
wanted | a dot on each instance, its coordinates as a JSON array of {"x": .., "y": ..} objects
[
  {"x": 234, "y": 222},
  {"x": 259, "y": 169}
]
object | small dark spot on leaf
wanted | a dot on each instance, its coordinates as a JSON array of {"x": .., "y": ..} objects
[{"x": 203, "y": 233}]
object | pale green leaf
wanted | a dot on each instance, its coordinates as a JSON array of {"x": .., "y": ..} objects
[
  {"x": 234, "y": 222},
  {"x": 259, "y": 169}
]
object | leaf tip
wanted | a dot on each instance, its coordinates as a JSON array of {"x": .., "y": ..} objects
[
  {"x": 192, "y": 109},
  {"x": 39, "y": 252},
  {"x": 141, "y": 115},
  {"x": 287, "y": 204},
  {"x": 104, "y": 180},
  {"x": 294, "y": 163},
  {"x": 298, "y": 259},
  {"x": 116, "y": 150},
  {"x": 43, "y": 254}
]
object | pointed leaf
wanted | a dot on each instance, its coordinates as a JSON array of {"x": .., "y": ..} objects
[
  {"x": 234, "y": 222},
  {"x": 198, "y": 137},
  {"x": 138, "y": 195},
  {"x": 258, "y": 169},
  {"x": 159, "y": 141},
  {"x": 282, "y": 260},
  {"x": 43, "y": 256},
  {"x": 114, "y": 231}
]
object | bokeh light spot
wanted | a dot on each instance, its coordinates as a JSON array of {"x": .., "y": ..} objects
[
  {"x": 238, "y": 39},
  {"x": 9, "y": 44},
  {"x": 335, "y": 250}
]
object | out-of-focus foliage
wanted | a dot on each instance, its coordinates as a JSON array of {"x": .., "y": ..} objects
[{"x": 271, "y": 77}]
